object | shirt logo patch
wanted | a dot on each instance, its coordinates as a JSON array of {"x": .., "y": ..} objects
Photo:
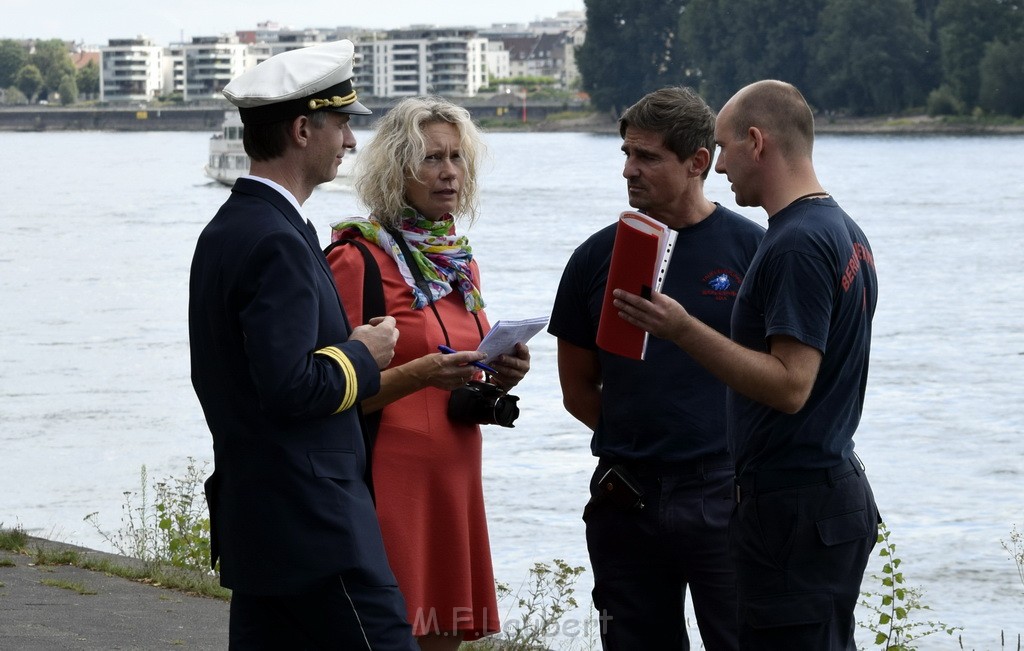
[{"x": 721, "y": 284}]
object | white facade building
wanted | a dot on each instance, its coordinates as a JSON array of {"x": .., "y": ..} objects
[
  {"x": 201, "y": 69},
  {"x": 498, "y": 62},
  {"x": 131, "y": 70},
  {"x": 448, "y": 61},
  {"x": 544, "y": 48},
  {"x": 417, "y": 60}
]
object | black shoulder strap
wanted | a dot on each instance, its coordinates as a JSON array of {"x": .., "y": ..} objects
[
  {"x": 373, "y": 286},
  {"x": 414, "y": 268},
  {"x": 373, "y": 305}
]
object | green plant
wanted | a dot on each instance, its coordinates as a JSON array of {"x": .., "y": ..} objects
[
  {"x": 543, "y": 599},
  {"x": 896, "y": 604},
  {"x": 1016, "y": 550},
  {"x": 943, "y": 101},
  {"x": 174, "y": 528},
  {"x": 13, "y": 540},
  {"x": 57, "y": 557}
]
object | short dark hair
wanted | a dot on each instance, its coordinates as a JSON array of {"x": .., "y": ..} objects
[
  {"x": 267, "y": 141},
  {"x": 779, "y": 108},
  {"x": 684, "y": 120}
]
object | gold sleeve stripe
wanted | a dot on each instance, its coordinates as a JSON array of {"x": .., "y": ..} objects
[{"x": 349, "y": 371}]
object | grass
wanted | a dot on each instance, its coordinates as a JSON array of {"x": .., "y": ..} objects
[
  {"x": 12, "y": 540},
  {"x": 156, "y": 573},
  {"x": 153, "y": 573},
  {"x": 68, "y": 585}
]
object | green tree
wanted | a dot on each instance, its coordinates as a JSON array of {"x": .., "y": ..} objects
[
  {"x": 706, "y": 35},
  {"x": 776, "y": 40},
  {"x": 730, "y": 44},
  {"x": 964, "y": 28},
  {"x": 13, "y": 58},
  {"x": 14, "y": 96},
  {"x": 88, "y": 80},
  {"x": 629, "y": 51},
  {"x": 29, "y": 81},
  {"x": 54, "y": 62},
  {"x": 1001, "y": 88},
  {"x": 943, "y": 101},
  {"x": 870, "y": 57},
  {"x": 68, "y": 90}
]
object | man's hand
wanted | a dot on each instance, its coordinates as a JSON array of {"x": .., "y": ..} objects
[
  {"x": 661, "y": 316},
  {"x": 379, "y": 336}
]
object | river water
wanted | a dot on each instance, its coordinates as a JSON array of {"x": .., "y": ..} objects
[{"x": 96, "y": 236}]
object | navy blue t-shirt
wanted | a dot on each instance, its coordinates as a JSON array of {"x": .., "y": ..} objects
[
  {"x": 813, "y": 279},
  {"x": 667, "y": 407}
]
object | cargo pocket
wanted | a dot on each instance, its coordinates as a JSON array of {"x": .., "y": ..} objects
[
  {"x": 847, "y": 527},
  {"x": 787, "y": 610}
]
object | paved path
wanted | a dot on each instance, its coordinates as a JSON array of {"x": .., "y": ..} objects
[{"x": 37, "y": 615}]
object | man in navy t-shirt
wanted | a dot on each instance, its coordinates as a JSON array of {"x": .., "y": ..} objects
[
  {"x": 659, "y": 424},
  {"x": 796, "y": 366}
]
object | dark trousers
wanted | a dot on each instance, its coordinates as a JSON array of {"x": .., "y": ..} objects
[
  {"x": 800, "y": 558},
  {"x": 341, "y": 614},
  {"x": 644, "y": 559}
]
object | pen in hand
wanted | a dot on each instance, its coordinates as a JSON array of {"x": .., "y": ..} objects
[{"x": 480, "y": 365}]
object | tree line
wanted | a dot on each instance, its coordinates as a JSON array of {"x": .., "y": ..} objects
[
  {"x": 852, "y": 57},
  {"x": 43, "y": 73}
]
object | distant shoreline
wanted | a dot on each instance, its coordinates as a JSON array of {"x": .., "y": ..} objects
[{"x": 909, "y": 125}]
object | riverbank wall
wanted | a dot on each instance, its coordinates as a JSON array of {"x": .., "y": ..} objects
[
  {"x": 209, "y": 118},
  {"x": 491, "y": 115}
]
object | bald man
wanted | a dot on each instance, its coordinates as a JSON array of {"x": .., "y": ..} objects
[{"x": 796, "y": 365}]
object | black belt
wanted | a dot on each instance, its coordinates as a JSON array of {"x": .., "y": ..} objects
[
  {"x": 765, "y": 481},
  {"x": 699, "y": 466}
]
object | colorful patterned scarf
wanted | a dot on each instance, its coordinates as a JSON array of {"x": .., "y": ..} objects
[{"x": 442, "y": 256}]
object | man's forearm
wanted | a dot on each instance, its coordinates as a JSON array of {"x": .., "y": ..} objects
[{"x": 781, "y": 382}]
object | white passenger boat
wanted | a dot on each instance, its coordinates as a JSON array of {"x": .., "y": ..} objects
[{"x": 228, "y": 160}]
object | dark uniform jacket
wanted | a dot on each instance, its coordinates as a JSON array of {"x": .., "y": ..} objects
[{"x": 279, "y": 383}]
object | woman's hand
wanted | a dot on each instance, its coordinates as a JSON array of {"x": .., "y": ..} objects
[
  {"x": 511, "y": 368},
  {"x": 445, "y": 371}
]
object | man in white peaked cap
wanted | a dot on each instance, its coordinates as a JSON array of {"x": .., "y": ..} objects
[{"x": 280, "y": 374}]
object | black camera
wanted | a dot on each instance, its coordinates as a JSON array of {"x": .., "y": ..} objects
[{"x": 483, "y": 403}]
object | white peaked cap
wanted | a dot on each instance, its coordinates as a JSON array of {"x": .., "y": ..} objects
[{"x": 297, "y": 82}]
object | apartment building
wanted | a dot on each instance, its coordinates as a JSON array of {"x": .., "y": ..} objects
[
  {"x": 131, "y": 70},
  {"x": 202, "y": 68},
  {"x": 269, "y": 39},
  {"x": 417, "y": 60},
  {"x": 448, "y": 61},
  {"x": 544, "y": 48}
]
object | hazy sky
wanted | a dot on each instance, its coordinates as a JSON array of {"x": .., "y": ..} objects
[{"x": 94, "y": 22}]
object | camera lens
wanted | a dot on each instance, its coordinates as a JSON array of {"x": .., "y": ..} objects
[
  {"x": 483, "y": 403},
  {"x": 506, "y": 411}
]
